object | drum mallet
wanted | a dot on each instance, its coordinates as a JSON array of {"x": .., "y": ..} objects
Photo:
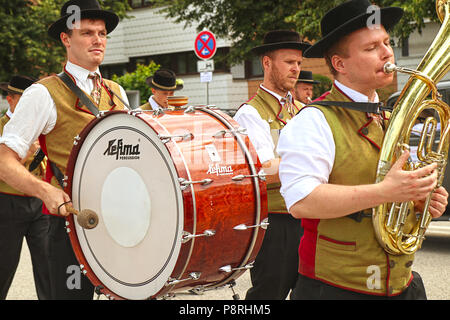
[{"x": 86, "y": 218}]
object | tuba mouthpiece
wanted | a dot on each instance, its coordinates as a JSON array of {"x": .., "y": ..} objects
[{"x": 389, "y": 67}]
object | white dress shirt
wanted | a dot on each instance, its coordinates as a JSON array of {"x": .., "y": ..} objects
[
  {"x": 307, "y": 150},
  {"x": 9, "y": 113},
  {"x": 155, "y": 106},
  {"x": 35, "y": 114},
  {"x": 258, "y": 130}
]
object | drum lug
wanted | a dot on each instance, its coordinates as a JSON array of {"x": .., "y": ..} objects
[
  {"x": 101, "y": 114},
  {"x": 222, "y": 133},
  {"x": 76, "y": 139},
  {"x": 184, "y": 137},
  {"x": 134, "y": 113},
  {"x": 190, "y": 109},
  {"x": 188, "y": 236},
  {"x": 158, "y": 112},
  {"x": 185, "y": 183},
  {"x": 83, "y": 271},
  {"x": 261, "y": 175},
  {"x": 192, "y": 276},
  {"x": 229, "y": 269},
  {"x": 242, "y": 227}
]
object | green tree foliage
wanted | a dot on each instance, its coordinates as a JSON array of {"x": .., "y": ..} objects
[
  {"x": 136, "y": 80},
  {"x": 245, "y": 22},
  {"x": 26, "y": 47},
  {"x": 324, "y": 85}
]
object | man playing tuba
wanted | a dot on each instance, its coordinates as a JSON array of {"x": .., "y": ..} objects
[{"x": 329, "y": 161}]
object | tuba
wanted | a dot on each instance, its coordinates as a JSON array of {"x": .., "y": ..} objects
[{"x": 393, "y": 232}]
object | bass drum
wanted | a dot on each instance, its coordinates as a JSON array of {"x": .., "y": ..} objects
[{"x": 180, "y": 197}]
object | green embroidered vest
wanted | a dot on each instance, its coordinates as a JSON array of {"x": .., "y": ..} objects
[
  {"x": 346, "y": 252},
  {"x": 72, "y": 117},
  {"x": 270, "y": 110}
]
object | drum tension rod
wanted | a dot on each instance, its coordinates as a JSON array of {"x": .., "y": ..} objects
[
  {"x": 188, "y": 236},
  {"x": 134, "y": 113},
  {"x": 222, "y": 133},
  {"x": 101, "y": 114},
  {"x": 242, "y": 227},
  {"x": 229, "y": 269},
  {"x": 185, "y": 183},
  {"x": 192, "y": 276},
  {"x": 261, "y": 175},
  {"x": 184, "y": 137}
]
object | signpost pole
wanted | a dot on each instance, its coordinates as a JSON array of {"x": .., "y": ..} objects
[{"x": 205, "y": 47}]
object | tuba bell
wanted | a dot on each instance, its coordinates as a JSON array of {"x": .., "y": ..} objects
[{"x": 398, "y": 228}]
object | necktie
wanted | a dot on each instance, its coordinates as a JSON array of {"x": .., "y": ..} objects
[
  {"x": 289, "y": 105},
  {"x": 95, "y": 93}
]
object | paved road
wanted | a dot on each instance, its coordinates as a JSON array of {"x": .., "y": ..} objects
[{"x": 432, "y": 262}]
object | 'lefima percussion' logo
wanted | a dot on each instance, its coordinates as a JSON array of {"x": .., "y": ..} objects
[
  {"x": 122, "y": 151},
  {"x": 219, "y": 170}
]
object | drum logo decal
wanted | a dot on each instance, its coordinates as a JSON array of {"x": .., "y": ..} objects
[
  {"x": 219, "y": 170},
  {"x": 122, "y": 151}
]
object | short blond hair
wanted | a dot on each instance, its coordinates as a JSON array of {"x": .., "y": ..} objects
[{"x": 338, "y": 48}]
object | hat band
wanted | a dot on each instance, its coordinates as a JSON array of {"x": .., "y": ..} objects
[
  {"x": 15, "y": 89},
  {"x": 164, "y": 87}
]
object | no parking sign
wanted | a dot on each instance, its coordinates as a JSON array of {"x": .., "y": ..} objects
[{"x": 205, "y": 45}]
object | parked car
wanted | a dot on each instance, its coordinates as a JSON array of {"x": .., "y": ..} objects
[{"x": 444, "y": 89}]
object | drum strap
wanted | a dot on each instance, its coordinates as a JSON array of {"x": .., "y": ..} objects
[
  {"x": 40, "y": 155},
  {"x": 358, "y": 106},
  {"x": 79, "y": 93},
  {"x": 118, "y": 97},
  {"x": 57, "y": 174}
]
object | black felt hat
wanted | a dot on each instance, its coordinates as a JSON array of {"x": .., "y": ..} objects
[
  {"x": 306, "y": 77},
  {"x": 165, "y": 80},
  {"x": 280, "y": 39},
  {"x": 88, "y": 9},
  {"x": 17, "y": 84},
  {"x": 348, "y": 17}
]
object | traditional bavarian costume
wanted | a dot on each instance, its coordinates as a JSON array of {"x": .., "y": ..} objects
[
  {"x": 341, "y": 258},
  {"x": 275, "y": 268},
  {"x": 21, "y": 216}
]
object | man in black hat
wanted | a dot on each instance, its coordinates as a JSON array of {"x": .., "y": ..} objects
[
  {"x": 275, "y": 268},
  {"x": 163, "y": 84},
  {"x": 52, "y": 111},
  {"x": 21, "y": 215},
  {"x": 304, "y": 88},
  {"x": 329, "y": 162}
]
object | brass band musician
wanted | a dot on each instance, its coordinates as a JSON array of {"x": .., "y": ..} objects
[{"x": 328, "y": 173}]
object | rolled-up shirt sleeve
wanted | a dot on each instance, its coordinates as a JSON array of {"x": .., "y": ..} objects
[
  {"x": 35, "y": 114},
  {"x": 307, "y": 151},
  {"x": 258, "y": 131}
]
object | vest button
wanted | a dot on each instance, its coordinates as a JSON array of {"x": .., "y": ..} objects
[
  {"x": 365, "y": 131},
  {"x": 391, "y": 263}
]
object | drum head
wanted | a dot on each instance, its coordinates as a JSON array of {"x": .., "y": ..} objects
[{"x": 125, "y": 174}]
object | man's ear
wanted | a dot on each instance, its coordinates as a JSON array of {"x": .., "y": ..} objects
[
  {"x": 266, "y": 62},
  {"x": 64, "y": 39},
  {"x": 338, "y": 63}
]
